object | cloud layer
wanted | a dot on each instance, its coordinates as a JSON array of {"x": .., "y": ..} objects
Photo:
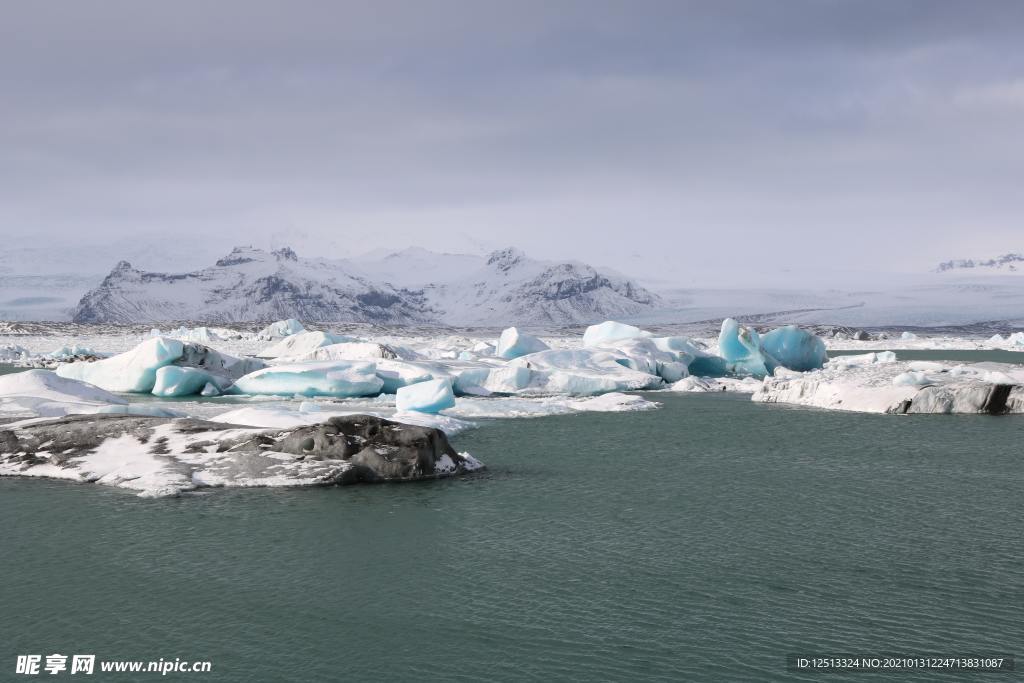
[{"x": 729, "y": 134}]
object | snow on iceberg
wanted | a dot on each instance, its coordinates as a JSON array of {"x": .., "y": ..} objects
[
  {"x": 325, "y": 378},
  {"x": 431, "y": 396},
  {"x": 513, "y": 344}
]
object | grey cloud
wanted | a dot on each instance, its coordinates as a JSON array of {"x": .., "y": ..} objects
[{"x": 730, "y": 130}]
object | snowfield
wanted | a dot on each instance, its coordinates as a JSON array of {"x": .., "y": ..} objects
[{"x": 286, "y": 376}]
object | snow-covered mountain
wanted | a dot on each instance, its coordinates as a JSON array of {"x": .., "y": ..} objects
[
  {"x": 250, "y": 284},
  {"x": 509, "y": 286},
  {"x": 410, "y": 286},
  {"x": 1001, "y": 265}
]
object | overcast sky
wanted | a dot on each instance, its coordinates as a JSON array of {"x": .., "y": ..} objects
[{"x": 722, "y": 134}]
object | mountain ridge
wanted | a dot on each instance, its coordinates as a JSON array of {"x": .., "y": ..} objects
[{"x": 249, "y": 284}]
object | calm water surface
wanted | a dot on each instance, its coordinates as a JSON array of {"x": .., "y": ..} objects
[{"x": 703, "y": 541}]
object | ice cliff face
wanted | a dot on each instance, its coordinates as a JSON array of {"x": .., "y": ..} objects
[{"x": 250, "y": 284}]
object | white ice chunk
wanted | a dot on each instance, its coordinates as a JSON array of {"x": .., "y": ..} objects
[
  {"x": 583, "y": 372},
  {"x": 326, "y": 378},
  {"x": 610, "y": 331},
  {"x": 513, "y": 344},
  {"x": 42, "y": 393},
  {"x": 302, "y": 343},
  {"x": 431, "y": 396}
]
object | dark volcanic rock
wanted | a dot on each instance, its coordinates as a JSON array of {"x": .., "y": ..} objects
[{"x": 180, "y": 454}]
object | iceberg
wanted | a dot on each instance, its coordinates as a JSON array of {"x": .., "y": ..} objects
[
  {"x": 354, "y": 350},
  {"x": 513, "y": 344},
  {"x": 794, "y": 348},
  {"x": 583, "y": 372},
  {"x": 908, "y": 336},
  {"x": 302, "y": 343},
  {"x": 484, "y": 380},
  {"x": 132, "y": 371},
  {"x": 174, "y": 380},
  {"x": 43, "y": 393},
  {"x": 280, "y": 329},
  {"x": 431, "y": 396},
  {"x": 135, "y": 371},
  {"x": 610, "y": 331},
  {"x": 341, "y": 379},
  {"x": 73, "y": 352},
  {"x": 397, "y": 374},
  {"x": 740, "y": 346},
  {"x": 13, "y": 352}
]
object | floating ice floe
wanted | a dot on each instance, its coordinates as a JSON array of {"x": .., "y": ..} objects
[{"x": 887, "y": 386}]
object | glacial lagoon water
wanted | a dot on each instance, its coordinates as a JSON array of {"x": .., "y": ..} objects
[{"x": 703, "y": 541}]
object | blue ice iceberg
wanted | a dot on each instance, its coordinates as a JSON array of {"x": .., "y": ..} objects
[
  {"x": 432, "y": 396},
  {"x": 173, "y": 380},
  {"x": 131, "y": 371},
  {"x": 740, "y": 346},
  {"x": 794, "y": 348},
  {"x": 747, "y": 353}
]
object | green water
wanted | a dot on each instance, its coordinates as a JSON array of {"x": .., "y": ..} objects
[{"x": 702, "y": 541}]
